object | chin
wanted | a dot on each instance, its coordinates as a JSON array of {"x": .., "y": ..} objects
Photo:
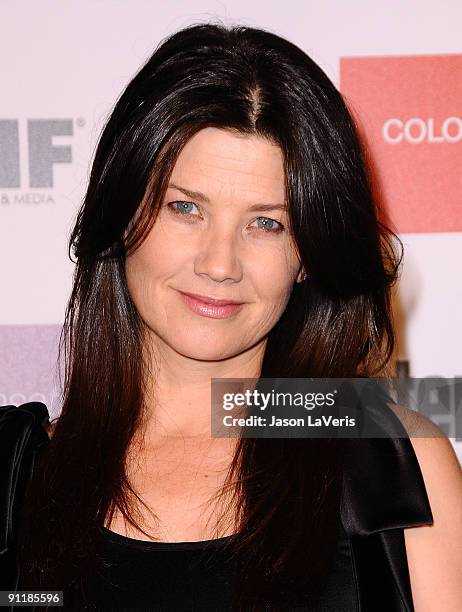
[{"x": 204, "y": 351}]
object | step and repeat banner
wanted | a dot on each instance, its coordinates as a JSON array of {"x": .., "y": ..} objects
[{"x": 63, "y": 65}]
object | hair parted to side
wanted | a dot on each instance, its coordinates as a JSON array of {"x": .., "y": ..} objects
[{"x": 337, "y": 324}]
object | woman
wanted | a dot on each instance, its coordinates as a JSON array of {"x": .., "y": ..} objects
[{"x": 229, "y": 168}]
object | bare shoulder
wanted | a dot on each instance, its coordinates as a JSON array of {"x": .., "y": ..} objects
[
  {"x": 435, "y": 551},
  {"x": 416, "y": 424},
  {"x": 51, "y": 428}
]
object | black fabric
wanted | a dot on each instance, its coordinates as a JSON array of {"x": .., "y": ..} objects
[
  {"x": 22, "y": 435},
  {"x": 196, "y": 576},
  {"x": 383, "y": 493}
]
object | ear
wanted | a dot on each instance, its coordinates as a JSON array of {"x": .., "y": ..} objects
[{"x": 301, "y": 275}]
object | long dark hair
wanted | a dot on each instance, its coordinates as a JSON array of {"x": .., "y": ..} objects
[{"x": 336, "y": 324}]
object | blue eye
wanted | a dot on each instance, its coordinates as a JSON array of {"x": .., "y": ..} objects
[
  {"x": 270, "y": 226},
  {"x": 183, "y": 209}
]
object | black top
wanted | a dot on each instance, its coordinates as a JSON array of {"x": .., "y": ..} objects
[
  {"x": 196, "y": 576},
  {"x": 166, "y": 576},
  {"x": 383, "y": 493}
]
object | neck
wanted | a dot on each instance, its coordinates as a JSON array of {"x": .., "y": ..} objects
[{"x": 178, "y": 397}]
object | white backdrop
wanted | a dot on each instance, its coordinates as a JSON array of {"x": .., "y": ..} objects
[{"x": 67, "y": 63}]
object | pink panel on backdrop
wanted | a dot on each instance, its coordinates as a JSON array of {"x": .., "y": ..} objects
[
  {"x": 410, "y": 113},
  {"x": 28, "y": 365}
]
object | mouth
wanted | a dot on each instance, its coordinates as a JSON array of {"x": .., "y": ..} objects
[{"x": 207, "y": 306}]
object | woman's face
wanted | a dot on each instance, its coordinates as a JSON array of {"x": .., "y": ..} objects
[{"x": 224, "y": 241}]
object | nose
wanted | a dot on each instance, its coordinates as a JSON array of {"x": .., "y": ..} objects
[{"x": 217, "y": 255}]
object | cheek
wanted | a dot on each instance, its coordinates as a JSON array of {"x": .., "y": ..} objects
[
  {"x": 274, "y": 286},
  {"x": 142, "y": 272},
  {"x": 136, "y": 276},
  {"x": 151, "y": 261}
]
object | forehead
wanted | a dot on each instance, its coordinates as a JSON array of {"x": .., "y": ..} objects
[{"x": 217, "y": 160}]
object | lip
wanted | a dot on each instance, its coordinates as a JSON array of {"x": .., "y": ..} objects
[
  {"x": 209, "y": 300},
  {"x": 215, "y": 309}
]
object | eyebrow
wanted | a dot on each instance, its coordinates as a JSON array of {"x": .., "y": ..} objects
[{"x": 197, "y": 195}]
